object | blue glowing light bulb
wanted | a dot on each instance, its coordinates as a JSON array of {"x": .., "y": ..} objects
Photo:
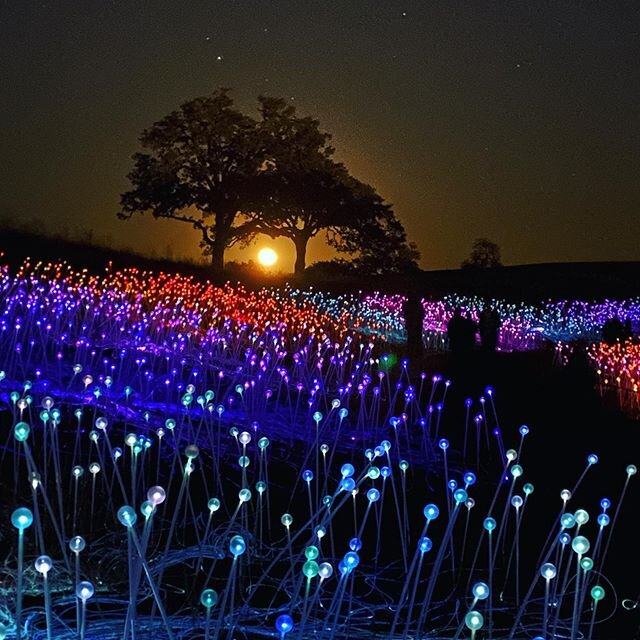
[
  {"x": 425, "y": 544},
  {"x": 355, "y": 544},
  {"x": 605, "y": 503},
  {"x": 603, "y": 520},
  {"x": 237, "y": 546},
  {"x": 284, "y": 624},
  {"x": 373, "y": 495},
  {"x": 469, "y": 478},
  {"x": 351, "y": 560},
  {"x": 443, "y": 444},
  {"x": 431, "y": 511},
  {"x": 347, "y": 470},
  {"x": 480, "y": 591},
  {"x": 347, "y": 484},
  {"x": 592, "y": 458},
  {"x": 307, "y": 475},
  {"x": 84, "y": 590}
]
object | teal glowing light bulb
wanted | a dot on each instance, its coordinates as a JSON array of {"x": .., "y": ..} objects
[
  {"x": 84, "y": 590},
  {"x": 586, "y": 564},
  {"x": 127, "y": 515},
  {"x": 489, "y": 524},
  {"x": 597, "y": 592},
  {"x": 244, "y": 495},
  {"x": 581, "y": 516},
  {"x": 528, "y": 488},
  {"x": 213, "y": 505},
  {"x": 567, "y": 521},
  {"x": 373, "y": 472},
  {"x": 632, "y": 470},
  {"x": 147, "y": 508},
  {"x": 261, "y": 486},
  {"x": 474, "y": 620},
  {"x": 480, "y": 590},
  {"x": 580, "y": 545},
  {"x": 311, "y": 552},
  {"x": 237, "y": 546},
  {"x": 284, "y": 624},
  {"x": 460, "y": 495},
  {"x": 244, "y": 462},
  {"x": 404, "y": 465},
  {"x": 263, "y": 443},
  {"x": 516, "y": 471},
  {"x": 21, "y": 431},
  {"x": 286, "y": 519},
  {"x": 208, "y": 598},
  {"x": 310, "y": 569},
  {"x": 22, "y": 518}
]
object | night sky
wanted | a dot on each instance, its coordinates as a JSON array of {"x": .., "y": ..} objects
[{"x": 518, "y": 120}]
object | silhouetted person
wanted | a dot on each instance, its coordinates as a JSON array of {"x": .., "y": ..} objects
[
  {"x": 489, "y": 323},
  {"x": 414, "y": 319},
  {"x": 613, "y": 330},
  {"x": 461, "y": 332}
]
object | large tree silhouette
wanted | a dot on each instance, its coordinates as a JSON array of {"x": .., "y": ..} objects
[{"x": 195, "y": 169}]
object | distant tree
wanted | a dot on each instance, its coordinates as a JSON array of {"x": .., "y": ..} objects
[
  {"x": 195, "y": 169},
  {"x": 303, "y": 191},
  {"x": 484, "y": 254}
]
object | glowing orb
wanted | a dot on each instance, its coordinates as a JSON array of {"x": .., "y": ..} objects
[{"x": 267, "y": 257}]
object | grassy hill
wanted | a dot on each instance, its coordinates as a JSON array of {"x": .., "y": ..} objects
[{"x": 577, "y": 280}]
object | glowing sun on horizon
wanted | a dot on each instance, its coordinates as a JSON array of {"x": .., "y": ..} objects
[{"x": 267, "y": 257}]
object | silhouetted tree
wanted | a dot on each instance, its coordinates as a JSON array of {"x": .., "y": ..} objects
[
  {"x": 195, "y": 169},
  {"x": 303, "y": 191},
  {"x": 379, "y": 244},
  {"x": 484, "y": 254}
]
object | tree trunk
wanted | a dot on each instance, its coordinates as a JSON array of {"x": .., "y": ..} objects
[
  {"x": 301, "y": 254},
  {"x": 217, "y": 256}
]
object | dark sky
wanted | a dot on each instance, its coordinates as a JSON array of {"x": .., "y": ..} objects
[{"x": 518, "y": 120}]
